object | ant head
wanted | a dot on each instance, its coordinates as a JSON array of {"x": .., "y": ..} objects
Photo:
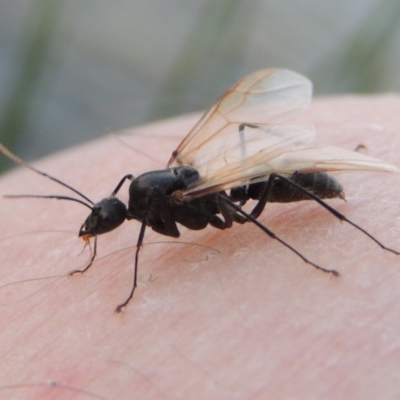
[{"x": 106, "y": 215}]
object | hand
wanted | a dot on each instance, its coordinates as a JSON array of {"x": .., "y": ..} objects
[{"x": 217, "y": 314}]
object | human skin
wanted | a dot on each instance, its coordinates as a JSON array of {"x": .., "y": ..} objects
[{"x": 218, "y": 314}]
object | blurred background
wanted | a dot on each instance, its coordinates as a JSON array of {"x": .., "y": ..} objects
[{"x": 72, "y": 70}]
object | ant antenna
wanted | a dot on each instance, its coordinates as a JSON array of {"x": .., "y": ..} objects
[{"x": 23, "y": 163}]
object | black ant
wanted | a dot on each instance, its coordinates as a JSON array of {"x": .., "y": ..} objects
[{"x": 243, "y": 145}]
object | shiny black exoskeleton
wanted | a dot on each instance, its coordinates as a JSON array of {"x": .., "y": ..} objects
[
  {"x": 155, "y": 202},
  {"x": 157, "y": 199},
  {"x": 107, "y": 215},
  {"x": 152, "y": 201},
  {"x": 320, "y": 184}
]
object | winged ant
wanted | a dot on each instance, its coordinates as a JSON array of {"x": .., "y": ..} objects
[{"x": 245, "y": 144}]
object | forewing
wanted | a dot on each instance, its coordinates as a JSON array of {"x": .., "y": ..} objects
[
  {"x": 265, "y": 97},
  {"x": 263, "y": 102}
]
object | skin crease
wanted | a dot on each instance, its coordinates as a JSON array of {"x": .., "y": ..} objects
[{"x": 242, "y": 318}]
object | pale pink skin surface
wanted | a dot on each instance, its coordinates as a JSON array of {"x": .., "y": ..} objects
[{"x": 243, "y": 319}]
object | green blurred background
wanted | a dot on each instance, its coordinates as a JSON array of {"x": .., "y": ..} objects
[{"x": 72, "y": 70}]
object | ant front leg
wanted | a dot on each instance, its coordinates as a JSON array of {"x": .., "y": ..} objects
[
  {"x": 93, "y": 254},
  {"x": 138, "y": 247},
  {"x": 158, "y": 215},
  {"x": 107, "y": 215}
]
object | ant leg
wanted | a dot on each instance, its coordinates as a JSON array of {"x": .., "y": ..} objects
[
  {"x": 259, "y": 208},
  {"x": 93, "y": 256},
  {"x": 115, "y": 191},
  {"x": 94, "y": 253},
  {"x": 360, "y": 148},
  {"x": 230, "y": 215},
  {"x": 138, "y": 247},
  {"x": 223, "y": 208},
  {"x": 160, "y": 214},
  {"x": 312, "y": 196},
  {"x": 249, "y": 217},
  {"x": 271, "y": 234},
  {"x": 241, "y": 137},
  {"x": 239, "y": 194}
]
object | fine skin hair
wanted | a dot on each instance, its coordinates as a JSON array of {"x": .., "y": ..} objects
[{"x": 241, "y": 318}]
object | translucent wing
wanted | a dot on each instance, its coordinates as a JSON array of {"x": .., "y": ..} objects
[
  {"x": 304, "y": 159},
  {"x": 246, "y": 136},
  {"x": 265, "y": 97},
  {"x": 327, "y": 158}
]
